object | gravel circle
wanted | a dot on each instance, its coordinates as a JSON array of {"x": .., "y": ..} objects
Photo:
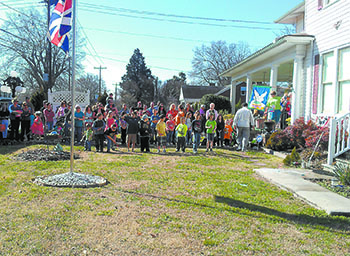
[{"x": 71, "y": 179}]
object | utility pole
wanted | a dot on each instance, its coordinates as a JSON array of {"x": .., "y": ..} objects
[
  {"x": 116, "y": 91},
  {"x": 100, "y": 78}
]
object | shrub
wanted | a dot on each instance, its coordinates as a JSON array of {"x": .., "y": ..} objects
[
  {"x": 342, "y": 172},
  {"x": 299, "y": 135},
  {"x": 221, "y": 102},
  {"x": 293, "y": 159},
  {"x": 280, "y": 140}
]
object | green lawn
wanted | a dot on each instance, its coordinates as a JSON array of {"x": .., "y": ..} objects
[{"x": 161, "y": 204}]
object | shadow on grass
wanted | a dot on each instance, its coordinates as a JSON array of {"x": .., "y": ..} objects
[
  {"x": 9, "y": 149},
  {"x": 303, "y": 219},
  {"x": 336, "y": 225}
]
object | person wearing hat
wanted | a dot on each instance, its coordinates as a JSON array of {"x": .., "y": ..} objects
[
  {"x": 145, "y": 131},
  {"x": 273, "y": 107},
  {"x": 15, "y": 119}
]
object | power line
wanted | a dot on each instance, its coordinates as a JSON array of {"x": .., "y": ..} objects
[
  {"x": 176, "y": 16},
  {"x": 88, "y": 40},
  {"x": 88, "y": 9},
  {"x": 156, "y": 67},
  {"x": 147, "y": 35}
]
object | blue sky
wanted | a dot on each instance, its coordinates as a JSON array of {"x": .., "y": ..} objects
[{"x": 167, "y": 46}]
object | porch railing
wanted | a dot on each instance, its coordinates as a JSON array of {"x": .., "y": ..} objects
[{"x": 339, "y": 139}]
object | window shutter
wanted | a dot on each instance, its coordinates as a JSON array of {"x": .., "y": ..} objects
[
  {"x": 316, "y": 84},
  {"x": 320, "y": 4}
]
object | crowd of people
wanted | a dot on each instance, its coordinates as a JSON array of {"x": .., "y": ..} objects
[
  {"x": 139, "y": 125},
  {"x": 99, "y": 125}
]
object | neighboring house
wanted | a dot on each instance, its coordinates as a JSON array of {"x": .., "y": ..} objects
[
  {"x": 192, "y": 94},
  {"x": 240, "y": 95},
  {"x": 315, "y": 60}
]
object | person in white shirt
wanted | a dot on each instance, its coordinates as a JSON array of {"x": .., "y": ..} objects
[
  {"x": 242, "y": 121},
  {"x": 211, "y": 110}
]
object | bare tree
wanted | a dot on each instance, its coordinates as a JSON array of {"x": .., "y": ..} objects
[
  {"x": 90, "y": 82},
  {"x": 170, "y": 91},
  {"x": 209, "y": 61},
  {"x": 23, "y": 46}
]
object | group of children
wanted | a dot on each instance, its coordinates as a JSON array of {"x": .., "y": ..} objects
[{"x": 160, "y": 129}]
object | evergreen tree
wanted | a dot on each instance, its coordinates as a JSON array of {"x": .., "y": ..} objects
[{"x": 137, "y": 84}]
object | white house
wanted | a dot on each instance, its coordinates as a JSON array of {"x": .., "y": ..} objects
[{"x": 315, "y": 61}]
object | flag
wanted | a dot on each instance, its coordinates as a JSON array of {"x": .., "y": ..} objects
[
  {"x": 53, "y": 2},
  {"x": 60, "y": 24}
]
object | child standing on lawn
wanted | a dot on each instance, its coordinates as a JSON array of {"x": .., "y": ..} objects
[
  {"x": 228, "y": 133},
  {"x": 170, "y": 127},
  {"x": 145, "y": 132},
  {"x": 37, "y": 126},
  {"x": 181, "y": 130},
  {"x": 210, "y": 125},
  {"x": 197, "y": 130},
  {"x": 161, "y": 131},
  {"x": 88, "y": 134},
  {"x": 98, "y": 128}
]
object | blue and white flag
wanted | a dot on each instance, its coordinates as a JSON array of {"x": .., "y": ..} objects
[
  {"x": 259, "y": 97},
  {"x": 61, "y": 24}
]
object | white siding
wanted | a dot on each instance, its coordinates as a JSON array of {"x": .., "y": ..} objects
[{"x": 321, "y": 24}]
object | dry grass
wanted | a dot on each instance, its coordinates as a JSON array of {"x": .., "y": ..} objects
[{"x": 169, "y": 204}]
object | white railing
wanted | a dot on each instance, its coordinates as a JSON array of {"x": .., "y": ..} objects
[{"x": 339, "y": 139}]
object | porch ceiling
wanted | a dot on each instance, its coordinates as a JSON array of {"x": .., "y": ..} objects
[
  {"x": 261, "y": 61},
  {"x": 284, "y": 74}
]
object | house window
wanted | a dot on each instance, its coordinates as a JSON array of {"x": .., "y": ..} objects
[
  {"x": 243, "y": 91},
  {"x": 344, "y": 80},
  {"x": 328, "y": 72}
]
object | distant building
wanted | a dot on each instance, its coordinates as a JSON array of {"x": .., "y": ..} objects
[{"x": 192, "y": 94}]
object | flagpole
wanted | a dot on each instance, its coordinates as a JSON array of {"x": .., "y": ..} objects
[{"x": 74, "y": 13}]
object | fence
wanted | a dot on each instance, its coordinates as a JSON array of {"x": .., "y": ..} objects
[
  {"x": 339, "y": 139},
  {"x": 81, "y": 98}
]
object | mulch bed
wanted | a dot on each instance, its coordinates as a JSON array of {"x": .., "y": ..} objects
[{"x": 44, "y": 155}]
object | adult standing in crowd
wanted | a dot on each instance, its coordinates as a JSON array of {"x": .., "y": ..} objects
[
  {"x": 273, "y": 107},
  {"x": 242, "y": 121},
  {"x": 78, "y": 124},
  {"x": 25, "y": 121},
  {"x": 133, "y": 126},
  {"x": 15, "y": 117},
  {"x": 286, "y": 109},
  {"x": 211, "y": 110}
]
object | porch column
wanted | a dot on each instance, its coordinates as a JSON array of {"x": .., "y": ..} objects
[
  {"x": 233, "y": 96},
  {"x": 273, "y": 77},
  {"x": 249, "y": 88},
  {"x": 297, "y": 100}
]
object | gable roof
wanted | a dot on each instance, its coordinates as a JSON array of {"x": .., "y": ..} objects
[{"x": 197, "y": 92}]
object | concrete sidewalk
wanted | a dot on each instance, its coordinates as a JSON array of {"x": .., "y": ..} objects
[{"x": 293, "y": 180}]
